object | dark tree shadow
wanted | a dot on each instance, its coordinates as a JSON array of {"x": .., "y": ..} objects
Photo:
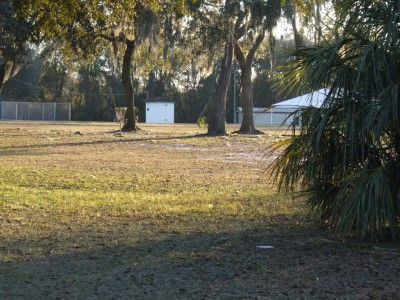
[{"x": 299, "y": 262}]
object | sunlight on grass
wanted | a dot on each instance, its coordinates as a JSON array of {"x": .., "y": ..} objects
[
  {"x": 162, "y": 210},
  {"x": 83, "y": 214},
  {"x": 68, "y": 197}
]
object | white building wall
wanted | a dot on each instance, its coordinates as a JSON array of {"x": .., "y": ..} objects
[
  {"x": 270, "y": 116},
  {"x": 160, "y": 112}
]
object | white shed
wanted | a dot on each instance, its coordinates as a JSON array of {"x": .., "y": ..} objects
[
  {"x": 160, "y": 110},
  {"x": 281, "y": 113}
]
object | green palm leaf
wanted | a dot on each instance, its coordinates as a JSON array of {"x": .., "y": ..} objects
[{"x": 346, "y": 159}]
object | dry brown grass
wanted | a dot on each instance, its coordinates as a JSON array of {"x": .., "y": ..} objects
[{"x": 164, "y": 213}]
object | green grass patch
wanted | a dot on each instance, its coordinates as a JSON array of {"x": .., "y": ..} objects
[{"x": 156, "y": 215}]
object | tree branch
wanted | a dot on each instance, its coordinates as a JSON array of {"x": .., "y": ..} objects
[
  {"x": 240, "y": 29},
  {"x": 121, "y": 38},
  {"x": 106, "y": 37},
  {"x": 255, "y": 46},
  {"x": 239, "y": 54}
]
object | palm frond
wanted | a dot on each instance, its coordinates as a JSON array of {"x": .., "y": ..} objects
[{"x": 346, "y": 159}]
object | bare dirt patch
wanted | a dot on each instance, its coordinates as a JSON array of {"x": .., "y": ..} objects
[{"x": 165, "y": 213}]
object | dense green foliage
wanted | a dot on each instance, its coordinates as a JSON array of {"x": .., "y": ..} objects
[
  {"x": 183, "y": 55},
  {"x": 15, "y": 33},
  {"x": 346, "y": 160}
]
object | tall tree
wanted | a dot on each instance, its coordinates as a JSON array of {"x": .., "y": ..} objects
[
  {"x": 310, "y": 20},
  {"x": 24, "y": 85},
  {"x": 98, "y": 90},
  {"x": 14, "y": 36},
  {"x": 256, "y": 17},
  {"x": 216, "y": 125},
  {"x": 346, "y": 159},
  {"x": 291, "y": 12},
  {"x": 124, "y": 25}
]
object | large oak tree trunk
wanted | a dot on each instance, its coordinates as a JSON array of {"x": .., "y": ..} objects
[
  {"x": 245, "y": 63},
  {"x": 216, "y": 124},
  {"x": 130, "y": 118},
  {"x": 247, "y": 125}
]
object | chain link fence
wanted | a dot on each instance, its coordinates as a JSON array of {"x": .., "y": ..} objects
[{"x": 35, "y": 111}]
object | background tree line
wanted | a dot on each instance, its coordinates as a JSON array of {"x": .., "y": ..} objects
[
  {"x": 109, "y": 54},
  {"x": 345, "y": 160}
]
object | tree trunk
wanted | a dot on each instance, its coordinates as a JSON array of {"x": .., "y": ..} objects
[
  {"x": 298, "y": 38},
  {"x": 11, "y": 65},
  {"x": 245, "y": 63},
  {"x": 151, "y": 86},
  {"x": 335, "y": 4},
  {"x": 58, "y": 93},
  {"x": 130, "y": 117},
  {"x": 272, "y": 45},
  {"x": 318, "y": 28},
  {"x": 5, "y": 72},
  {"x": 216, "y": 125},
  {"x": 247, "y": 125}
]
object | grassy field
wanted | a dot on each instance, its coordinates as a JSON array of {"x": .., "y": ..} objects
[{"x": 165, "y": 213}]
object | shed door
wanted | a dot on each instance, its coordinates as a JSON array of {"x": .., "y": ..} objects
[{"x": 160, "y": 113}]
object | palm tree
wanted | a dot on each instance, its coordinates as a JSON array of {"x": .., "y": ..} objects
[{"x": 346, "y": 159}]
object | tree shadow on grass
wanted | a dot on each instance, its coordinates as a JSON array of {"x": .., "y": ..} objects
[
  {"x": 21, "y": 149},
  {"x": 302, "y": 262}
]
